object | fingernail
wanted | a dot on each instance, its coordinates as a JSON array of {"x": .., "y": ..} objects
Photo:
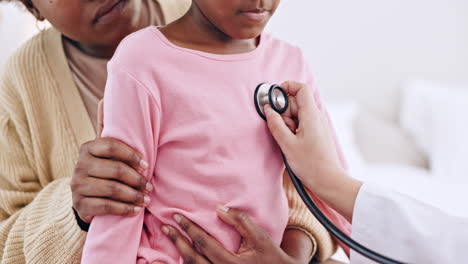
[
  {"x": 149, "y": 187},
  {"x": 267, "y": 110},
  {"x": 165, "y": 230},
  {"x": 143, "y": 164},
  {"x": 147, "y": 200},
  {"x": 137, "y": 210},
  {"x": 222, "y": 208},
  {"x": 177, "y": 218}
]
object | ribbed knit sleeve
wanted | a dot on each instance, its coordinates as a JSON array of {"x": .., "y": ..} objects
[
  {"x": 302, "y": 219},
  {"x": 37, "y": 224}
]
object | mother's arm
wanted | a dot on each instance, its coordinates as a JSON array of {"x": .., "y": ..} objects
[{"x": 36, "y": 219}]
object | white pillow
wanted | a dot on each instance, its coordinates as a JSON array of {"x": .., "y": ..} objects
[
  {"x": 449, "y": 155},
  {"x": 383, "y": 141},
  {"x": 436, "y": 115},
  {"x": 415, "y": 116},
  {"x": 343, "y": 116}
]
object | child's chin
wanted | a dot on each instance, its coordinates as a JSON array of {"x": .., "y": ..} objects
[{"x": 247, "y": 34}]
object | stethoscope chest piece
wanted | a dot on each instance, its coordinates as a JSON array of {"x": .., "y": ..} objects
[{"x": 273, "y": 95}]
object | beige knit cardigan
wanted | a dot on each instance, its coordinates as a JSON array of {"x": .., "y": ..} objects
[{"x": 43, "y": 121}]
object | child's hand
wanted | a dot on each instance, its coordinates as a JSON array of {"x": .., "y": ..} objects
[{"x": 256, "y": 247}]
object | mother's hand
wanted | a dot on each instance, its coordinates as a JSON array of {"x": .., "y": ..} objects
[{"x": 256, "y": 247}]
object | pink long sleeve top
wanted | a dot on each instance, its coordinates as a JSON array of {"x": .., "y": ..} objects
[{"x": 192, "y": 117}]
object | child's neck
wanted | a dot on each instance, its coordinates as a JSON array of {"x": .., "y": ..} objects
[{"x": 194, "y": 31}]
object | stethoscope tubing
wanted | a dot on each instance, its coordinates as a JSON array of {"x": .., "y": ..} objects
[{"x": 335, "y": 231}]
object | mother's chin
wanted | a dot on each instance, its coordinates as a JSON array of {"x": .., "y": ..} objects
[
  {"x": 100, "y": 24},
  {"x": 115, "y": 20}
]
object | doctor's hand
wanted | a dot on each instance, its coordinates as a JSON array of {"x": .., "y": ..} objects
[
  {"x": 311, "y": 149},
  {"x": 311, "y": 141},
  {"x": 256, "y": 247},
  {"x": 107, "y": 179}
]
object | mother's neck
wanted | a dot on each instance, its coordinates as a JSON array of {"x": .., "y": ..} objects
[{"x": 104, "y": 52}]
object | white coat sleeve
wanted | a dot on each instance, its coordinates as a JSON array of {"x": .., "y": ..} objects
[{"x": 407, "y": 230}]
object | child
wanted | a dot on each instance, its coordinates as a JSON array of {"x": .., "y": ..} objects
[{"x": 182, "y": 95}]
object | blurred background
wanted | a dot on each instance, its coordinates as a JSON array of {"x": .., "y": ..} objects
[{"x": 395, "y": 75}]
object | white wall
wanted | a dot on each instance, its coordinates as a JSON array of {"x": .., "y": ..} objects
[
  {"x": 364, "y": 49},
  {"x": 360, "y": 50},
  {"x": 16, "y": 26}
]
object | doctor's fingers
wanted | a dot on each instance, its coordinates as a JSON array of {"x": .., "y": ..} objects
[
  {"x": 302, "y": 92},
  {"x": 278, "y": 129},
  {"x": 304, "y": 103},
  {"x": 290, "y": 115}
]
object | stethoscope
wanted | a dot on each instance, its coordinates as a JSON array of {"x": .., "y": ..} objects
[{"x": 277, "y": 98}]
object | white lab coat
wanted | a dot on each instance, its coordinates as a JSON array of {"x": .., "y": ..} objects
[{"x": 407, "y": 230}]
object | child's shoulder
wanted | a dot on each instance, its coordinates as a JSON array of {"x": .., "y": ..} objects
[
  {"x": 137, "y": 47},
  {"x": 280, "y": 47}
]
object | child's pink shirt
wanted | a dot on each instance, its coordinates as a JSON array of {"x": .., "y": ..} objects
[{"x": 192, "y": 117}]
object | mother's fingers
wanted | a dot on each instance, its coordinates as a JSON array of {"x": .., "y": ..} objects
[
  {"x": 116, "y": 171},
  {"x": 184, "y": 247},
  {"x": 88, "y": 207},
  {"x": 211, "y": 248},
  {"x": 116, "y": 150},
  {"x": 99, "y": 188},
  {"x": 253, "y": 236}
]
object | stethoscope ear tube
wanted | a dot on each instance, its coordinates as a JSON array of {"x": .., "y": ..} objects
[{"x": 336, "y": 232}]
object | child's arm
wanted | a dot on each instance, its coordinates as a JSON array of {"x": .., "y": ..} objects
[{"x": 131, "y": 114}]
